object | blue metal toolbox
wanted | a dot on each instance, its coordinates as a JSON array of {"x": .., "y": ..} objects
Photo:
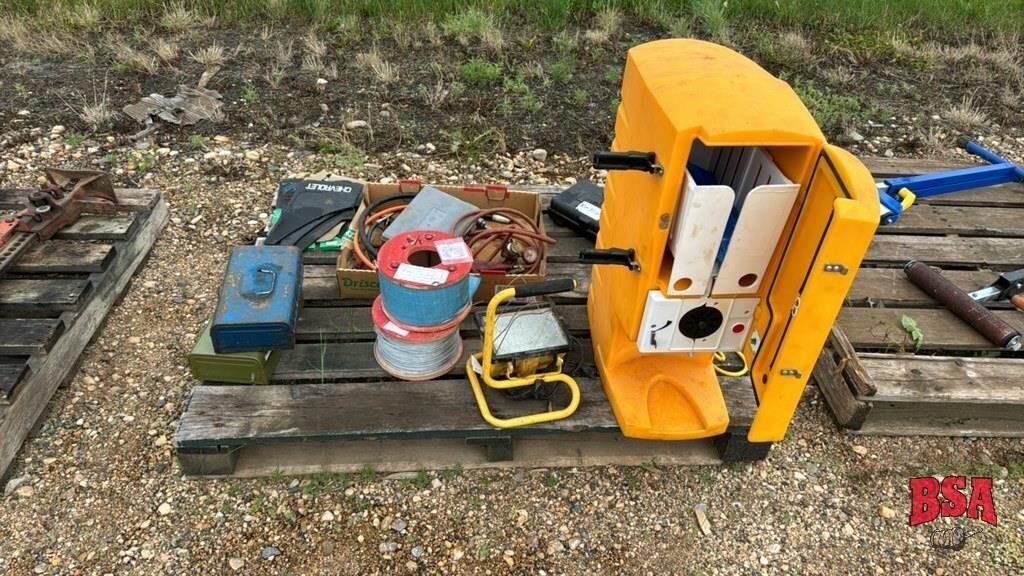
[{"x": 259, "y": 300}]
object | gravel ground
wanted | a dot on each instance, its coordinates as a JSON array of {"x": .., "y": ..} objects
[{"x": 96, "y": 490}]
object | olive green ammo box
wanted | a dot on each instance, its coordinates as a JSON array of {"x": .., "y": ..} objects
[{"x": 236, "y": 367}]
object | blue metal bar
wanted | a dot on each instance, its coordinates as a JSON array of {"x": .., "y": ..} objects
[
  {"x": 998, "y": 171},
  {"x": 926, "y": 185},
  {"x": 983, "y": 153}
]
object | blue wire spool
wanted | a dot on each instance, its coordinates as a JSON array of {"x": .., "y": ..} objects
[{"x": 425, "y": 279}]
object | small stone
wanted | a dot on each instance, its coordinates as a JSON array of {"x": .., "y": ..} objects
[
  {"x": 327, "y": 516},
  {"x": 889, "y": 153},
  {"x": 385, "y": 114},
  {"x": 800, "y": 476},
  {"x": 575, "y": 543},
  {"x": 14, "y": 483},
  {"x": 24, "y": 491},
  {"x": 221, "y": 139},
  {"x": 763, "y": 560},
  {"x": 775, "y": 548},
  {"x": 855, "y": 136},
  {"x": 417, "y": 551},
  {"x": 160, "y": 441},
  {"x": 236, "y": 564},
  {"x": 411, "y": 566},
  {"x": 164, "y": 509},
  {"x": 321, "y": 82},
  {"x": 399, "y": 525},
  {"x": 860, "y": 450},
  {"x": 457, "y": 554},
  {"x": 700, "y": 511},
  {"x": 848, "y": 530},
  {"x": 252, "y": 154},
  {"x": 58, "y": 129},
  {"x": 539, "y": 154},
  {"x": 134, "y": 339},
  {"x": 269, "y": 552},
  {"x": 388, "y": 547},
  {"x": 429, "y": 148},
  {"x": 353, "y": 124},
  {"x": 554, "y": 547},
  {"x": 436, "y": 483},
  {"x": 886, "y": 512}
]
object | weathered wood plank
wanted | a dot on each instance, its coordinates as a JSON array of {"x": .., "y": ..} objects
[
  {"x": 960, "y": 220},
  {"x": 383, "y": 455},
  {"x": 846, "y": 361},
  {"x": 27, "y": 336},
  {"x": 1000, "y": 253},
  {"x": 11, "y": 375},
  {"x": 354, "y": 323},
  {"x": 879, "y": 329},
  {"x": 130, "y": 199},
  {"x": 238, "y": 415},
  {"x": 949, "y": 418},
  {"x": 64, "y": 257},
  {"x": 849, "y": 412},
  {"x": 48, "y": 372},
  {"x": 99, "y": 227},
  {"x": 890, "y": 287},
  {"x": 41, "y": 296},
  {"x": 927, "y": 379}
]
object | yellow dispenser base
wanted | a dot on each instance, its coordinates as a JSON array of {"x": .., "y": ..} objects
[{"x": 656, "y": 397}]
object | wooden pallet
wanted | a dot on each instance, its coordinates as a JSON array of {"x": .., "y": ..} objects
[
  {"x": 957, "y": 383},
  {"x": 54, "y": 299},
  {"x": 331, "y": 408}
]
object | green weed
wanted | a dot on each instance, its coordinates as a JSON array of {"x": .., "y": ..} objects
[
  {"x": 250, "y": 95},
  {"x": 561, "y": 72},
  {"x": 74, "y": 138},
  {"x": 479, "y": 72},
  {"x": 421, "y": 481},
  {"x": 712, "y": 18},
  {"x": 367, "y": 473},
  {"x": 197, "y": 142},
  {"x": 834, "y": 112}
]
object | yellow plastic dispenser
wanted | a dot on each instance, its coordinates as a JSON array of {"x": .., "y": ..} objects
[{"x": 746, "y": 229}]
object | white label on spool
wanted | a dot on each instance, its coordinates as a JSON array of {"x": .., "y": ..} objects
[
  {"x": 453, "y": 251},
  {"x": 589, "y": 210},
  {"x": 421, "y": 275},
  {"x": 477, "y": 367},
  {"x": 392, "y": 327}
]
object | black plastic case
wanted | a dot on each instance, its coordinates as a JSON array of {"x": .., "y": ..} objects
[{"x": 579, "y": 207}]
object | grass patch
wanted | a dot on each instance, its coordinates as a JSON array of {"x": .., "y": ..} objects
[
  {"x": 834, "y": 112},
  {"x": 480, "y": 18},
  {"x": 479, "y": 72},
  {"x": 74, "y": 138}
]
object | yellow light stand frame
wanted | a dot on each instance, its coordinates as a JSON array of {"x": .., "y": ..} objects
[
  {"x": 674, "y": 93},
  {"x": 507, "y": 379}
]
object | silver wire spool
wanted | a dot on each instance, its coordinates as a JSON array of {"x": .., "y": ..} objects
[{"x": 414, "y": 355}]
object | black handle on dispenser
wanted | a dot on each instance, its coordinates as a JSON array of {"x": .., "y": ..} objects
[
  {"x": 632, "y": 160},
  {"x": 546, "y": 287},
  {"x": 617, "y": 256}
]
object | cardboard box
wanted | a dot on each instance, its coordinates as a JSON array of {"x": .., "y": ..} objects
[{"x": 358, "y": 284}]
